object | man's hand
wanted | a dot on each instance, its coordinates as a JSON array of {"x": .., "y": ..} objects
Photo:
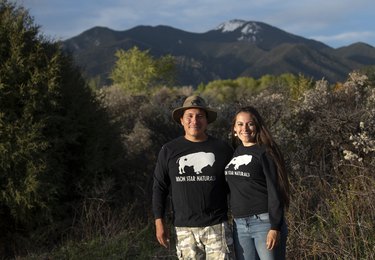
[
  {"x": 272, "y": 239},
  {"x": 161, "y": 233}
]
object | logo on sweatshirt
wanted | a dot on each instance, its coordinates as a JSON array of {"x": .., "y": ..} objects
[
  {"x": 198, "y": 161},
  {"x": 240, "y": 160}
]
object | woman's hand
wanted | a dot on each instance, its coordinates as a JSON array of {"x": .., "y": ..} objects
[{"x": 273, "y": 237}]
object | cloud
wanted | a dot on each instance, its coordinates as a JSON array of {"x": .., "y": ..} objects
[{"x": 346, "y": 37}]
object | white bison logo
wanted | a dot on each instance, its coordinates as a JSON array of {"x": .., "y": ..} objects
[
  {"x": 197, "y": 160},
  {"x": 240, "y": 160}
]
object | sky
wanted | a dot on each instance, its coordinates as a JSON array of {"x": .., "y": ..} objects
[{"x": 336, "y": 23}]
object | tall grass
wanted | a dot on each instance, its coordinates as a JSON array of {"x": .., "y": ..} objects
[
  {"x": 333, "y": 221},
  {"x": 103, "y": 233}
]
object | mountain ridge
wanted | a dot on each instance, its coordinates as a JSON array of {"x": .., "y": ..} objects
[{"x": 230, "y": 50}]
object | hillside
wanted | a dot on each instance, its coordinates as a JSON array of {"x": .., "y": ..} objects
[{"x": 234, "y": 48}]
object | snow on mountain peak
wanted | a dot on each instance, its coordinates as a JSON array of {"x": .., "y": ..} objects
[
  {"x": 249, "y": 30},
  {"x": 231, "y": 25}
]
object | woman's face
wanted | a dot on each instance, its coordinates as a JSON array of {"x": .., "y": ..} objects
[{"x": 245, "y": 128}]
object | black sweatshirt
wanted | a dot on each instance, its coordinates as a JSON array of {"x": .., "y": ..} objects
[
  {"x": 252, "y": 179},
  {"x": 194, "y": 171}
]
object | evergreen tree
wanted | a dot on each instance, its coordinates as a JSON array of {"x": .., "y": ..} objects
[{"x": 56, "y": 142}]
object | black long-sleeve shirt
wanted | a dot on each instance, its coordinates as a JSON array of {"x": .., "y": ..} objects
[
  {"x": 252, "y": 179},
  {"x": 194, "y": 172}
]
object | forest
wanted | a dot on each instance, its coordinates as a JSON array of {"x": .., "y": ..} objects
[{"x": 77, "y": 161}]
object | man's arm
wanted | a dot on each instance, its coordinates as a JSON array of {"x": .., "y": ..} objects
[
  {"x": 161, "y": 232},
  {"x": 160, "y": 193}
]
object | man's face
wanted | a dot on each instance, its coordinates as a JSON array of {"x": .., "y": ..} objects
[{"x": 194, "y": 121}]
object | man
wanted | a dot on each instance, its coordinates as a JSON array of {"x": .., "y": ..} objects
[{"x": 192, "y": 168}]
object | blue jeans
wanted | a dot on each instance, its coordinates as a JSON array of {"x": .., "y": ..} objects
[{"x": 250, "y": 236}]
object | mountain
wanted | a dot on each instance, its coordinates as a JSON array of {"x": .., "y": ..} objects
[{"x": 232, "y": 49}]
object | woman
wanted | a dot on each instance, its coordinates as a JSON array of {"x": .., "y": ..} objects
[{"x": 259, "y": 189}]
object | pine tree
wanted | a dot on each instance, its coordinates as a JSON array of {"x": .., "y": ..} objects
[{"x": 56, "y": 141}]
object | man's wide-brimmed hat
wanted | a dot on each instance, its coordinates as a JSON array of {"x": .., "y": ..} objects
[{"x": 194, "y": 102}]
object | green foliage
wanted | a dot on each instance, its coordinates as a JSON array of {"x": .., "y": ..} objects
[
  {"x": 56, "y": 142},
  {"x": 233, "y": 90},
  {"x": 229, "y": 90},
  {"x": 299, "y": 85},
  {"x": 25, "y": 94},
  {"x": 137, "y": 71}
]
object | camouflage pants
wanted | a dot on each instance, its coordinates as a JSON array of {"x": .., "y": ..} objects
[{"x": 212, "y": 242}]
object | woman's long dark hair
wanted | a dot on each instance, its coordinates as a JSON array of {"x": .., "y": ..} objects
[{"x": 264, "y": 137}]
